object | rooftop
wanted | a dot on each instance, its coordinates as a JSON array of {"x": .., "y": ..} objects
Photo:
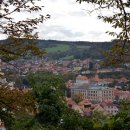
[{"x": 90, "y": 86}]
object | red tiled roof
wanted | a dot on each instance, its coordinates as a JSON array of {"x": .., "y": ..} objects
[
  {"x": 70, "y": 101},
  {"x": 122, "y": 93},
  {"x": 82, "y": 77}
]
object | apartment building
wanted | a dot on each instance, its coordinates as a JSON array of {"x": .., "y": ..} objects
[{"x": 93, "y": 92}]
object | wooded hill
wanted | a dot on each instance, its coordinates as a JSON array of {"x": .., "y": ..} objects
[{"x": 74, "y": 49}]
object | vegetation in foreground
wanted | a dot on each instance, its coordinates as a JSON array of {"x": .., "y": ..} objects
[{"x": 44, "y": 107}]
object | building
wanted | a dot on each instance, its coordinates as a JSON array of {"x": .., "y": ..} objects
[
  {"x": 82, "y": 90},
  {"x": 93, "y": 92},
  {"x": 110, "y": 107},
  {"x": 121, "y": 95},
  {"x": 82, "y": 80},
  {"x": 72, "y": 105}
]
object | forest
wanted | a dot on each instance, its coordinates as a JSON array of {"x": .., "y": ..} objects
[{"x": 66, "y": 50}]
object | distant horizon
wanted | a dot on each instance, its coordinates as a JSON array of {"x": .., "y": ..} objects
[
  {"x": 66, "y": 40},
  {"x": 74, "y": 40}
]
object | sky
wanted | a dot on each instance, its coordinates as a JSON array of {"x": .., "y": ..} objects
[{"x": 70, "y": 21}]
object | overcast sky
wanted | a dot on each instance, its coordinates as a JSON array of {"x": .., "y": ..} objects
[{"x": 71, "y": 21}]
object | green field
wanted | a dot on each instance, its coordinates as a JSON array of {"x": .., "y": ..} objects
[
  {"x": 83, "y": 47},
  {"x": 58, "y": 47}
]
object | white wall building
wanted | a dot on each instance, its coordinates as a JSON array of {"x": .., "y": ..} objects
[{"x": 93, "y": 92}]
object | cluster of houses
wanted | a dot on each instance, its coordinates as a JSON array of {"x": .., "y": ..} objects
[
  {"x": 61, "y": 66},
  {"x": 96, "y": 95},
  {"x": 97, "y": 89},
  {"x": 86, "y": 107}
]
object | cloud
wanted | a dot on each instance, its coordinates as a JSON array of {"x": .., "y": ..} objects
[
  {"x": 77, "y": 13},
  {"x": 59, "y": 33},
  {"x": 70, "y": 21},
  {"x": 96, "y": 33}
]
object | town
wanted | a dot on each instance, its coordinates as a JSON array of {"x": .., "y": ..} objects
[{"x": 87, "y": 91}]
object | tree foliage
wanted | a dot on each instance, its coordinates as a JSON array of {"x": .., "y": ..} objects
[
  {"x": 21, "y": 39},
  {"x": 21, "y": 32},
  {"x": 50, "y": 100},
  {"x": 26, "y": 123},
  {"x": 118, "y": 18},
  {"x": 71, "y": 121},
  {"x": 78, "y": 97},
  {"x": 13, "y": 103}
]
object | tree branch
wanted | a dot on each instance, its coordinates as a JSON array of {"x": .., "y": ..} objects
[
  {"x": 15, "y": 9},
  {"x": 125, "y": 24}
]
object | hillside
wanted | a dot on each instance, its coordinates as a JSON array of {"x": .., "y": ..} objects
[{"x": 73, "y": 49}]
